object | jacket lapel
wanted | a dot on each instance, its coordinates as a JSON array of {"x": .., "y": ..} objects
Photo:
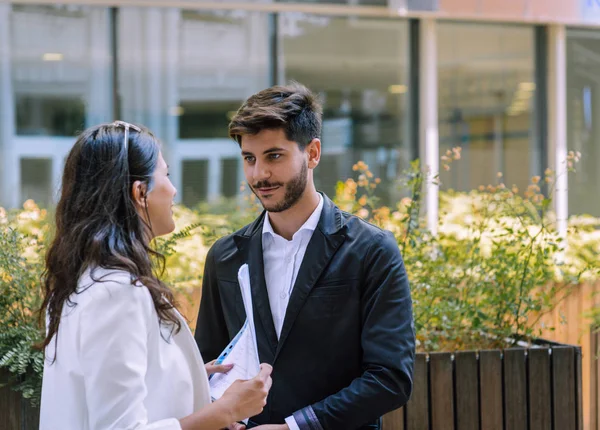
[
  {"x": 326, "y": 239},
  {"x": 250, "y": 247}
]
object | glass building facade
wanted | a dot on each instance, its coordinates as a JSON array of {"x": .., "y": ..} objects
[{"x": 182, "y": 69}]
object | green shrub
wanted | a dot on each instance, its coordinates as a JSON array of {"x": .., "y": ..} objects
[{"x": 493, "y": 269}]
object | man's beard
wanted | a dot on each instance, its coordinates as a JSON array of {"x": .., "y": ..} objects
[{"x": 293, "y": 190}]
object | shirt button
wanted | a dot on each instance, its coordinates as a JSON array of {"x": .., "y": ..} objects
[{"x": 283, "y": 295}]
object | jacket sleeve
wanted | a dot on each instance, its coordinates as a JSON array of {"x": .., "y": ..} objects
[
  {"x": 113, "y": 348},
  {"x": 388, "y": 343},
  {"x": 211, "y": 330}
]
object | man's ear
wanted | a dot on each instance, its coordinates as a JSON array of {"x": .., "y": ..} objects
[
  {"x": 139, "y": 191},
  {"x": 313, "y": 149}
]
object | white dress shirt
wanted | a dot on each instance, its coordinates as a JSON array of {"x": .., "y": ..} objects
[
  {"x": 114, "y": 369},
  {"x": 282, "y": 259}
]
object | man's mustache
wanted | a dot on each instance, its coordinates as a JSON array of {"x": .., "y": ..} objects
[{"x": 265, "y": 184}]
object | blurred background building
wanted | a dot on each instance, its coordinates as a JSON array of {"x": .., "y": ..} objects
[{"x": 513, "y": 82}]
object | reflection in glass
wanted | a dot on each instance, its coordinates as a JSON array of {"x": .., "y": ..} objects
[
  {"x": 206, "y": 119},
  {"x": 58, "y": 64},
  {"x": 359, "y": 67},
  {"x": 184, "y": 79},
  {"x": 583, "y": 119},
  {"x": 230, "y": 179},
  {"x": 486, "y": 94},
  {"x": 36, "y": 180},
  {"x": 49, "y": 115},
  {"x": 194, "y": 187}
]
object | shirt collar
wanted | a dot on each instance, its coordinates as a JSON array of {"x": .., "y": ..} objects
[{"x": 310, "y": 224}]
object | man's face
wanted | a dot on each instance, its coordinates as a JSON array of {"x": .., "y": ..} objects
[{"x": 276, "y": 169}]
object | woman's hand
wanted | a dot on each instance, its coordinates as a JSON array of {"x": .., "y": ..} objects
[
  {"x": 248, "y": 398},
  {"x": 241, "y": 400},
  {"x": 212, "y": 368}
]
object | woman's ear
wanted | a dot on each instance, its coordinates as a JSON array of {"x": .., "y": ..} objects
[{"x": 139, "y": 192}]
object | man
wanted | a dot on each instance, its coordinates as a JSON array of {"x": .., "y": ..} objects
[{"x": 332, "y": 305}]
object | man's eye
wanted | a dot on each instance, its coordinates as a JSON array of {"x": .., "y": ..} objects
[
  {"x": 275, "y": 156},
  {"x": 249, "y": 159}
]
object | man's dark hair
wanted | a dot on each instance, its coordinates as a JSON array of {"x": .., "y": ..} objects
[{"x": 292, "y": 108}]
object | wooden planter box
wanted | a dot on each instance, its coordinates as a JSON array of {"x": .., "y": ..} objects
[{"x": 514, "y": 389}]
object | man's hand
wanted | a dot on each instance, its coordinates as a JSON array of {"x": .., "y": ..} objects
[
  {"x": 236, "y": 426},
  {"x": 272, "y": 427},
  {"x": 212, "y": 368}
]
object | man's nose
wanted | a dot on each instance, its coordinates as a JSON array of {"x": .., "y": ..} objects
[{"x": 261, "y": 172}]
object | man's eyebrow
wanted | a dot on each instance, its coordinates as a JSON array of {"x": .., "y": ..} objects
[
  {"x": 273, "y": 149},
  {"x": 265, "y": 152}
]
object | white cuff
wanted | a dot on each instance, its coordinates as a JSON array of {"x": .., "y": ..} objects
[{"x": 291, "y": 422}]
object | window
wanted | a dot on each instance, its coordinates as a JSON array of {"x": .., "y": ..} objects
[
  {"x": 230, "y": 182},
  {"x": 359, "y": 67},
  {"x": 185, "y": 80},
  {"x": 583, "y": 118},
  {"x": 36, "y": 180},
  {"x": 486, "y": 93},
  {"x": 56, "y": 80},
  {"x": 49, "y": 115},
  {"x": 194, "y": 182},
  {"x": 206, "y": 119}
]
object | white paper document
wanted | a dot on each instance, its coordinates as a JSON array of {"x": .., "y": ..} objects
[{"x": 242, "y": 351}]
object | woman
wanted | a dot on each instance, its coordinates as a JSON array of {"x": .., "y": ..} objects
[{"x": 118, "y": 354}]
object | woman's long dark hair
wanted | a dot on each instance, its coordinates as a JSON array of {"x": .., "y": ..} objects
[{"x": 97, "y": 224}]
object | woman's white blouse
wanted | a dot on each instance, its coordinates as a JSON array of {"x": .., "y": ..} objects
[{"x": 113, "y": 368}]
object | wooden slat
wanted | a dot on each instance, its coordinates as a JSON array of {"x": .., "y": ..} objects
[
  {"x": 594, "y": 392},
  {"x": 515, "y": 377},
  {"x": 564, "y": 398},
  {"x": 442, "y": 392},
  {"x": 585, "y": 304},
  {"x": 30, "y": 416},
  {"x": 596, "y": 386},
  {"x": 490, "y": 386},
  {"x": 10, "y": 406},
  {"x": 394, "y": 420},
  {"x": 417, "y": 408},
  {"x": 593, "y": 411},
  {"x": 573, "y": 319},
  {"x": 596, "y": 382},
  {"x": 466, "y": 367},
  {"x": 540, "y": 394},
  {"x": 579, "y": 389}
]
